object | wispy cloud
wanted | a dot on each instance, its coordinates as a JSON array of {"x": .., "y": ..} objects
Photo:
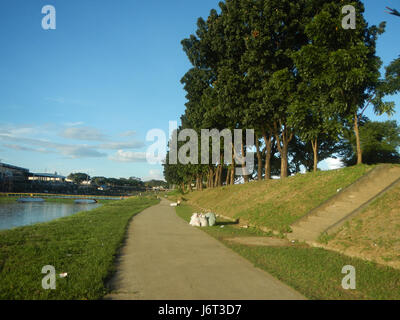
[
  {"x": 154, "y": 174},
  {"x": 122, "y": 145},
  {"x": 129, "y": 133},
  {"x": 76, "y": 152},
  {"x": 128, "y": 156},
  {"x": 63, "y": 100},
  {"x": 41, "y": 140},
  {"x": 73, "y": 124},
  {"x": 23, "y": 148},
  {"x": 83, "y": 133}
]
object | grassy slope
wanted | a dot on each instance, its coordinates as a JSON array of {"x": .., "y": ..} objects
[
  {"x": 314, "y": 272},
  {"x": 375, "y": 233},
  {"x": 83, "y": 245},
  {"x": 276, "y": 204}
]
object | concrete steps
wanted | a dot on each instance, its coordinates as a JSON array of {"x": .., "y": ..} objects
[{"x": 344, "y": 205}]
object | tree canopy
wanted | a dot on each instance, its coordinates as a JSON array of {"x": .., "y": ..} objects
[{"x": 288, "y": 70}]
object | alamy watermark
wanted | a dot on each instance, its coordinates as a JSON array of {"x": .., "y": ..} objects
[
  {"x": 349, "y": 20},
  {"x": 349, "y": 281},
  {"x": 49, "y": 280},
  {"x": 236, "y": 148},
  {"x": 49, "y": 20}
]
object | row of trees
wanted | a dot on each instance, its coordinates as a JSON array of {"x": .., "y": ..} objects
[
  {"x": 79, "y": 178},
  {"x": 288, "y": 70}
]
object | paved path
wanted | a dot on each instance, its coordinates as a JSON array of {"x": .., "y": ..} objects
[{"x": 165, "y": 258}]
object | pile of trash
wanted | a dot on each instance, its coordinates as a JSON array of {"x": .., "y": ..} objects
[
  {"x": 203, "y": 220},
  {"x": 175, "y": 204}
]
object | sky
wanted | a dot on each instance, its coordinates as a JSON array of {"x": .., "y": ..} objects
[{"x": 82, "y": 97}]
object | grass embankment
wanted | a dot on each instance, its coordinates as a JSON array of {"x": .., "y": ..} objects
[
  {"x": 373, "y": 234},
  {"x": 83, "y": 245},
  {"x": 276, "y": 204},
  {"x": 314, "y": 272}
]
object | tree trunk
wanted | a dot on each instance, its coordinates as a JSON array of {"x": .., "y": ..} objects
[
  {"x": 216, "y": 176},
  {"x": 283, "y": 148},
  {"x": 259, "y": 160},
  {"x": 314, "y": 144},
  {"x": 357, "y": 133},
  {"x": 232, "y": 173},
  {"x": 268, "y": 154},
  {"x": 228, "y": 175},
  {"x": 245, "y": 176},
  {"x": 209, "y": 179},
  {"x": 220, "y": 170}
]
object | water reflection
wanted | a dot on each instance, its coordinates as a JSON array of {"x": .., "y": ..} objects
[{"x": 22, "y": 214}]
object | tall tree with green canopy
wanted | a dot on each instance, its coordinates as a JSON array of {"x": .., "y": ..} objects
[
  {"x": 351, "y": 68},
  {"x": 380, "y": 142}
]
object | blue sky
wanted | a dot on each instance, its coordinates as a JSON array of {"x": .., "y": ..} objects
[{"x": 82, "y": 97}]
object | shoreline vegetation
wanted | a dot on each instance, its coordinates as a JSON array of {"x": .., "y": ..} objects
[
  {"x": 83, "y": 245},
  {"x": 314, "y": 272},
  {"x": 4, "y": 200}
]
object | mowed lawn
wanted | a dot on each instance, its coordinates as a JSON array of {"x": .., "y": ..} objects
[
  {"x": 276, "y": 204},
  {"x": 314, "y": 272},
  {"x": 83, "y": 245}
]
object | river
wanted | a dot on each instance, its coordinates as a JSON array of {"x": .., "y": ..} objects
[{"x": 22, "y": 214}]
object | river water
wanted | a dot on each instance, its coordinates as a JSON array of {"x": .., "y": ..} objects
[{"x": 22, "y": 214}]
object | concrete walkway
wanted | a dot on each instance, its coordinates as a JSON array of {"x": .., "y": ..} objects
[{"x": 166, "y": 259}]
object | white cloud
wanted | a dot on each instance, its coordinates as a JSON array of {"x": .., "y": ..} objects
[
  {"x": 128, "y": 156},
  {"x": 81, "y": 152},
  {"x": 23, "y": 148},
  {"x": 73, "y": 124},
  {"x": 62, "y": 100},
  {"x": 155, "y": 174},
  {"x": 129, "y": 133},
  {"x": 83, "y": 133},
  {"x": 122, "y": 145},
  {"x": 42, "y": 139}
]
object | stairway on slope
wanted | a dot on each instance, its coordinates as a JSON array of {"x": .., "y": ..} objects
[{"x": 345, "y": 204}]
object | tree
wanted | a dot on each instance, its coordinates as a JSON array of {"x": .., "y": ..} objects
[
  {"x": 380, "y": 142},
  {"x": 98, "y": 181},
  {"x": 79, "y": 177},
  {"x": 351, "y": 66},
  {"x": 393, "y": 12}
]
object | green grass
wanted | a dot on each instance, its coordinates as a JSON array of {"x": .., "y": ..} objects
[
  {"x": 276, "y": 204},
  {"x": 314, "y": 272},
  {"x": 8, "y": 199},
  {"x": 173, "y": 195},
  {"x": 84, "y": 245},
  {"x": 374, "y": 232}
]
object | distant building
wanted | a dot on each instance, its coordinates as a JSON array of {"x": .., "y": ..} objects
[
  {"x": 46, "y": 177},
  {"x": 13, "y": 173},
  {"x": 103, "y": 188}
]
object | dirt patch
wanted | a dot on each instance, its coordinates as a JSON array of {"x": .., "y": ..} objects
[{"x": 260, "y": 241}]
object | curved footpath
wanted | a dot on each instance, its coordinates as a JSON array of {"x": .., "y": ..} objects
[{"x": 164, "y": 258}]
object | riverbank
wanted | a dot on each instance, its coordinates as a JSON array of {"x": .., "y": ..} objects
[
  {"x": 53, "y": 200},
  {"x": 83, "y": 245},
  {"x": 314, "y": 272}
]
